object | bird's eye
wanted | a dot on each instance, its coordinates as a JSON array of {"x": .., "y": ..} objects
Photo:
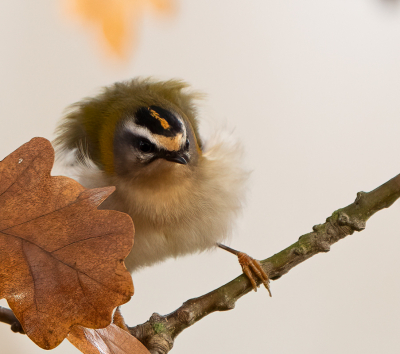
[
  {"x": 146, "y": 146},
  {"x": 187, "y": 144}
]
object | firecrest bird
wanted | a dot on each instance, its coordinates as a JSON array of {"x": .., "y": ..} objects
[{"x": 141, "y": 136}]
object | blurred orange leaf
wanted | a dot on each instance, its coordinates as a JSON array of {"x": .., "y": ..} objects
[
  {"x": 109, "y": 340},
  {"x": 61, "y": 259},
  {"x": 118, "y": 19}
]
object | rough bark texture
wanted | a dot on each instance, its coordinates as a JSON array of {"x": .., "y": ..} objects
[{"x": 159, "y": 332}]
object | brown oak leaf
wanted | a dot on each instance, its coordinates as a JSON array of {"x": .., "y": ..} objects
[
  {"x": 109, "y": 340},
  {"x": 61, "y": 259}
]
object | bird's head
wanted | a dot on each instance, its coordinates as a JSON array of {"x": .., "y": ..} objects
[
  {"x": 153, "y": 140},
  {"x": 139, "y": 129}
]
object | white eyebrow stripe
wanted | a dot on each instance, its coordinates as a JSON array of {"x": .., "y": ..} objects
[
  {"x": 146, "y": 133},
  {"x": 141, "y": 131},
  {"x": 183, "y": 127}
]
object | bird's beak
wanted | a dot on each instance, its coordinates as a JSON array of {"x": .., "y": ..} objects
[{"x": 183, "y": 160}]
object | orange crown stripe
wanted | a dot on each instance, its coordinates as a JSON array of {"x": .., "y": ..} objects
[{"x": 163, "y": 122}]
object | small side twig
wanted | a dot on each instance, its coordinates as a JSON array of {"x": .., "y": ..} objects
[{"x": 7, "y": 316}]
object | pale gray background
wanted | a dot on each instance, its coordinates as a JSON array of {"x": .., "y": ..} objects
[{"x": 312, "y": 88}]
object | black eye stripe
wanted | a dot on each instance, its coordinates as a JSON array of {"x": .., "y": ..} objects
[
  {"x": 145, "y": 146},
  {"x": 139, "y": 142}
]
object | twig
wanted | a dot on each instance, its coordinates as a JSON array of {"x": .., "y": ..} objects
[
  {"x": 158, "y": 334},
  {"x": 7, "y": 316}
]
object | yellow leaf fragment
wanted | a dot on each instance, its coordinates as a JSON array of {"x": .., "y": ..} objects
[{"x": 118, "y": 20}]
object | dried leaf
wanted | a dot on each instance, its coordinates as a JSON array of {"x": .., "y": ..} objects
[
  {"x": 118, "y": 19},
  {"x": 119, "y": 320},
  {"x": 109, "y": 340},
  {"x": 61, "y": 259}
]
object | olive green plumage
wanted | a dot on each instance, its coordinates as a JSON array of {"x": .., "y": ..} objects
[
  {"x": 142, "y": 137},
  {"x": 89, "y": 125}
]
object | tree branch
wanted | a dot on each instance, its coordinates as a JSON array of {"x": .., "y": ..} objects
[{"x": 158, "y": 334}]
